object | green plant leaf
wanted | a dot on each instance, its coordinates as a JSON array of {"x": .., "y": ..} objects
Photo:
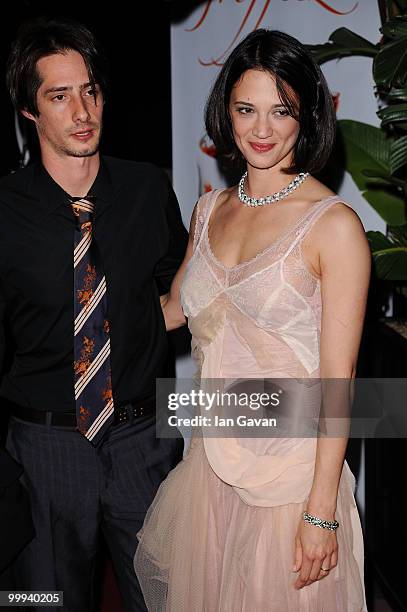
[
  {"x": 378, "y": 241},
  {"x": 393, "y": 114},
  {"x": 390, "y": 64},
  {"x": 395, "y": 27},
  {"x": 367, "y": 151},
  {"x": 383, "y": 177},
  {"x": 398, "y": 154},
  {"x": 398, "y": 234},
  {"x": 401, "y": 5},
  {"x": 390, "y": 257},
  {"x": 347, "y": 38},
  {"x": 391, "y": 264},
  {"x": 388, "y": 205},
  {"x": 366, "y": 146},
  {"x": 396, "y": 94},
  {"x": 342, "y": 43}
]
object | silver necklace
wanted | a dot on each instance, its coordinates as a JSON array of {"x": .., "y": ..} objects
[{"x": 279, "y": 195}]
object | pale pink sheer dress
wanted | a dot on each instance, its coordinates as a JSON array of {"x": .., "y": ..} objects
[{"x": 219, "y": 536}]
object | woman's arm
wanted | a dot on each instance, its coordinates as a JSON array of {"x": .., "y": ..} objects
[
  {"x": 170, "y": 302},
  {"x": 344, "y": 262}
]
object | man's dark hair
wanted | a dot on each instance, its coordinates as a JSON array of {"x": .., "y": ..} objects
[
  {"x": 43, "y": 37},
  {"x": 302, "y": 89}
]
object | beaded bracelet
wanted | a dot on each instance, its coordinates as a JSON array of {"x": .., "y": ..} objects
[{"x": 332, "y": 525}]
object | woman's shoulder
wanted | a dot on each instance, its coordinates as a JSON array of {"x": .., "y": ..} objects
[
  {"x": 313, "y": 192},
  {"x": 220, "y": 193},
  {"x": 340, "y": 220},
  {"x": 334, "y": 223},
  {"x": 208, "y": 199},
  {"x": 332, "y": 217},
  {"x": 330, "y": 206}
]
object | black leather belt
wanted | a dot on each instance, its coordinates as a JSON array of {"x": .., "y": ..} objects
[{"x": 122, "y": 414}]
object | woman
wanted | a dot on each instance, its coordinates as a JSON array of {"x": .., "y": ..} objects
[{"x": 272, "y": 287}]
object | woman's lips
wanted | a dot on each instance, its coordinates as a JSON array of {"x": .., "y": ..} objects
[{"x": 261, "y": 148}]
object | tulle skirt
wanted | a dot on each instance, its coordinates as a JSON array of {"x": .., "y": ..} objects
[{"x": 202, "y": 549}]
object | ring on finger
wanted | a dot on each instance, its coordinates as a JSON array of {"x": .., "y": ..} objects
[{"x": 323, "y": 569}]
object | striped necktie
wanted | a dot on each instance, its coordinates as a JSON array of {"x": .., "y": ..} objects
[{"x": 93, "y": 386}]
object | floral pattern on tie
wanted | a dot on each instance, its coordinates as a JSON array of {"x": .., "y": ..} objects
[
  {"x": 84, "y": 415},
  {"x": 107, "y": 393},
  {"x": 85, "y": 359},
  {"x": 85, "y": 294}
]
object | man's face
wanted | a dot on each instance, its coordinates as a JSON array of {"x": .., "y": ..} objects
[{"x": 70, "y": 109}]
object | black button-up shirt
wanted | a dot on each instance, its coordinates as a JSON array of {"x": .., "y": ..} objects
[{"x": 138, "y": 228}]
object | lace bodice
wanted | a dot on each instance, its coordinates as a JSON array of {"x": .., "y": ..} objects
[{"x": 272, "y": 301}]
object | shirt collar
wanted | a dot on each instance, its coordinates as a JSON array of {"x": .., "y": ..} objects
[
  {"x": 53, "y": 196},
  {"x": 102, "y": 188}
]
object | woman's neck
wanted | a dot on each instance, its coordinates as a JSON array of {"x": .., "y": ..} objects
[{"x": 263, "y": 182}]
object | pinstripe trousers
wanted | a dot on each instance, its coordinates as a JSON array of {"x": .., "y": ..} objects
[{"x": 79, "y": 494}]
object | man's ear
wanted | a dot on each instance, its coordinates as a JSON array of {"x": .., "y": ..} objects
[{"x": 29, "y": 116}]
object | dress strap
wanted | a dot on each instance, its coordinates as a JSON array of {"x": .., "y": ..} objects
[
  {"x": 204, "y": 208},
  {"x": 310, "y": 220}
]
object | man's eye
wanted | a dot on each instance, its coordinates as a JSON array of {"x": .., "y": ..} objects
[
  {"x": 59, "y": 97},
  {"x": 92, "y": 92}
]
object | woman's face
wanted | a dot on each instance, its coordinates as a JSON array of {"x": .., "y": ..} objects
[{"x": 263, "y": 130}]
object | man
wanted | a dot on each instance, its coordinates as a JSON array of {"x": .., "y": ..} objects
[{"x": 87, "y": 244}]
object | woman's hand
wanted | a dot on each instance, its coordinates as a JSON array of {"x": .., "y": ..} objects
[
  {"x": 170, "y": 302},
  {"x": 314, "y": 548},
  {"x": 164, "y": 300},
  {"x": 172, "y": 311}
]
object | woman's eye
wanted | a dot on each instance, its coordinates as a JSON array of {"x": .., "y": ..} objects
[
  {"x": 244, "y": 110},
  {"x": 282, "y": 112}
]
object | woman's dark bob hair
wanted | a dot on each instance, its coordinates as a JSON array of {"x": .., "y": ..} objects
[
  {"x": 42, "y": 37},
  {"x": 302, "y": 89}
]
